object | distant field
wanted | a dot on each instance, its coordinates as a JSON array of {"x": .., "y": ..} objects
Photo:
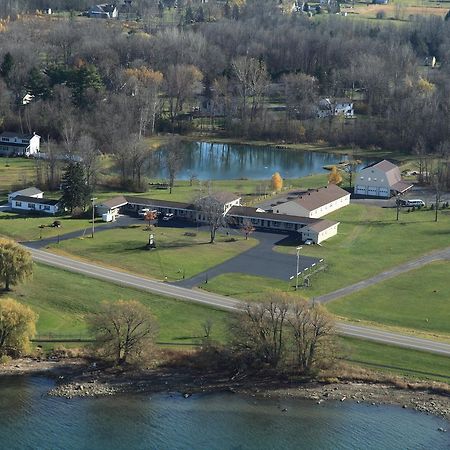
[
  {"x": 15, "y": 172},
  {"x": 418, "y": 300}
]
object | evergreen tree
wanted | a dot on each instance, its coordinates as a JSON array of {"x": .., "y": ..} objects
[
  {"x": 227, "y": 10},
  {"x": 200, "y": 16},
  {"x": 6, "y": 65},
  {"x": 37, "y": 84},
  {"x": 75, "y": 191},
  {"x": 188, "y": 15}
]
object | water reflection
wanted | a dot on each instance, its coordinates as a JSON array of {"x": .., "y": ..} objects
[{"x": 225, "y": 161}]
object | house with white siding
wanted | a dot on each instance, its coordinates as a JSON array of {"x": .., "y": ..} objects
[
  {"x": 28, "y": 192},
  {"x": 381, "y": 179},
  {"x": 315, "y": 203},
  {"x": 18, "y": 144},
  {"x": 23, "y": 203}
]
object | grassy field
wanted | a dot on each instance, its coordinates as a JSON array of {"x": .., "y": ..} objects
[
  {"x": 396, "y": 360},
  {"x": 15, "y": 172},
  {"x": 63, "y": 299},
  {"x": 23, "y": 228},
  {"x": 417, "y": 300},
  {"x": 176, "y": 254},
  {"x": 370, "y": 240}
]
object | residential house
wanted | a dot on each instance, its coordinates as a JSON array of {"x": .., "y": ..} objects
[
  {"x": 315, "y": 203},
  {"x": 381, "y": 179},
  {"x": 32, "y": 204},
  {"x": 103, "y": 11},
  {"x": 28, "y": 192},
  {"x": 335, "y": 107},
  {"x": 18, "y": 144}
]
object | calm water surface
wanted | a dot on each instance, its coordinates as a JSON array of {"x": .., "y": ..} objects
[
  {"x": 225, "y": 161},
  {"x": 31, "y": 420}
]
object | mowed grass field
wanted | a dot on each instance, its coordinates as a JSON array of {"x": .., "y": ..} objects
[
  {"x": 176, "y": 254},
  {"x": 14, "y": 172},
  {"x": 419, "y": 299},
  {"x": 370, "y": 241},
  {"x": 396, "y": 360},
  {"x": 63, "y": 299},
  {"x": 24, "y": 228}
]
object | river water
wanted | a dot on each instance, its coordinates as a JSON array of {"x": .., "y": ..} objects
[
  {"x": 29, "y": 419},
  {"x": 209, "y": 161}
]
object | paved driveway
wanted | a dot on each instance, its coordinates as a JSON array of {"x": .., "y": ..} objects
[{"x": 261, "y": 260}]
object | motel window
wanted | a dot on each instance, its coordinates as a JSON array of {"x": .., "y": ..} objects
[
  {"x": 24, "y": 141},
  {"x": 46, "y": 208},
  {"x": 31, "y": 206},
  {"x": 275, "y": 224},
  {"x": 18, "y": 203},
  {"x": 289, "y": 225},
  {"x": 5, "y": 139}
]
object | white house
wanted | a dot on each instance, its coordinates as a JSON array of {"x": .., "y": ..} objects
[
  {"x": 381, "y": 179},
  {"x": 103, "y": 11},
  {"x": 335, "y": 107},
  {"x": 17, "y": 144},
  {"x": 28, "y": 192},
  {"x": 33, "y": 204},
  {"x": 315, "y": 203}
]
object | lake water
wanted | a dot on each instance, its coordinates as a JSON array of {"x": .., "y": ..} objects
[
  {"x": 212, "y": 161},
  {"x": 31, "y": 420}
]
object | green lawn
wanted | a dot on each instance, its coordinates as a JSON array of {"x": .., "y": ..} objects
[
  {"x": 418, "y": 300},
  {"x": 62, "y": 300},
  {"x": 23, "y": 228},
  {"x": 176, "y": 254},
  {"x": 247, "y": 287},
  {"x": 397, "y": 360},
  {"x": 15, "y": 172},
  {"x": 370, "y": 240}
]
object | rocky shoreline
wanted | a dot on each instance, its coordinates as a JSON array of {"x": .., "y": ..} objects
[{"x": 78, "y": 378}]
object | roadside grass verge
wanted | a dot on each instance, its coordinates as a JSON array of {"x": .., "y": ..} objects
[
  {"x": 27, "y": 228},
  {"x": 176, "y": 255},
  {"x": 396, "y": 360},
  {"x": 64, "y": 299},
  {"x": 417, "y": 300}
]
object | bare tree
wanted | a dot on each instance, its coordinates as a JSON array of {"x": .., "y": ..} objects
[
  {"x": 123, "y": 330},
  {"x": 90, "y": 159},
  {"x": 211, "y": 210},
  {"x": 258, "y": 333},
  {"x": 173, "y": 157},
  {"x": 247, "y": 228},
  {"x": 311, "y": 326},
  {"x": 438, "y": 181}
]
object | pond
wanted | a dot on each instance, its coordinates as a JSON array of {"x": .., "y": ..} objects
[
  {"x": 213, "y": 161},
  {"x": 29, "y": 419}
]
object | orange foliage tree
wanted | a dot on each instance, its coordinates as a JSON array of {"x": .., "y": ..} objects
[
  {"x": 335, "y": 177},
  {"x": 277, "y": 182}
]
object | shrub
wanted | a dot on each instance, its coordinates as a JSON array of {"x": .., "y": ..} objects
[{"x": 380, "y": 15}]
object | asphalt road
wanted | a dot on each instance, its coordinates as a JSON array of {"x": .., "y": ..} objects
[{"x": 221, "y": 302}]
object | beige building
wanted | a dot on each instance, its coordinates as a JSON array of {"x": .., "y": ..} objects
[
  {"x": 382, "y": 179},
  {"x": 315, "y": 203}
]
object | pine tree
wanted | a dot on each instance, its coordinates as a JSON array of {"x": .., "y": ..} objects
[
  {"x": 6, "y": 65},
  {"x": 75, "y": 191}
]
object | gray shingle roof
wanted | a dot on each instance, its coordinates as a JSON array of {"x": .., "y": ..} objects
[{"x": 29, "y": 192}]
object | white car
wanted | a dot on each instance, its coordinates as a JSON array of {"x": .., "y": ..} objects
[
  {"x": 309, "y": 242},
  {"x": 168, "y": 216}
]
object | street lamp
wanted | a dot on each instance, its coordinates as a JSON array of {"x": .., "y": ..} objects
[
  {"x": 93, "y": 215},
  {"x": 298, "y": 263}
]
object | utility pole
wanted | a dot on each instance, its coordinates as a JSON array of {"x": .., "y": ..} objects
[
  {"x": 93, "y": 215},
  {"x": 298, "y": 264}
]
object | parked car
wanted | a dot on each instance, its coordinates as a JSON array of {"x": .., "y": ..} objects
[
  {"x": 168, "y": 216},
  {"x": 413, "y": 202},
  {"x": 309, "y": 242}
]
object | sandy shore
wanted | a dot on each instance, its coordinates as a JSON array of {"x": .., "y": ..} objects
[{"x": 79, "y": 378}]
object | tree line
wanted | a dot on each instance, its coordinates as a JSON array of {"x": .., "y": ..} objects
[{"x": 105, "y": 86}]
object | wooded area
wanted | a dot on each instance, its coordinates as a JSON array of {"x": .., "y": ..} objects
[{"x": 103, "y": 85}]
